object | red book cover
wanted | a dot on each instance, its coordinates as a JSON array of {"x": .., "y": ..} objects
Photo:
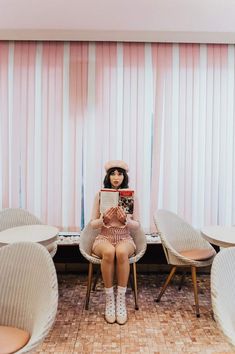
[{"x": 126, "y": 200}]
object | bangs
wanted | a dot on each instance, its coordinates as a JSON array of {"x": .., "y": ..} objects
[{"x": 120, "y": 170}]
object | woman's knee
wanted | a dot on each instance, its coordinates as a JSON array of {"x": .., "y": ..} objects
[
  {"x": 122, "y": 255},
  {"x": 109, "y": 254}
]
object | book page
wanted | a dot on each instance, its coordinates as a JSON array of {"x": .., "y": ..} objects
[{"x": 108, "y": 199}]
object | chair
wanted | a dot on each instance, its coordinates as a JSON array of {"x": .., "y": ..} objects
[
  {"x": 223, "y": 292},
  {"x": 29, "y": 291},
  {"x": 183, "y": 247},
  {"x": 87, "y": 238},
  {"x": 13, "y": 217}
]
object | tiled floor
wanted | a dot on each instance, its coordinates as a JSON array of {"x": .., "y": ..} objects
[{"x": 157, "y": 328}]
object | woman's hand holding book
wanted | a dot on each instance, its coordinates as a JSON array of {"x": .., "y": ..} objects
[
  {"x": 107, "y": 216},
  {"x": 121, "y": 215}
]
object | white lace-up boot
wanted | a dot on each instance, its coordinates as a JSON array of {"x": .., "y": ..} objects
[
  {"x": 121, "y": 313},
  {"x": 110, "y": 315}
]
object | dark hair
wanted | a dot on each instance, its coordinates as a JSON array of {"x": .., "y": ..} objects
[{"x": 107, "y": 183}]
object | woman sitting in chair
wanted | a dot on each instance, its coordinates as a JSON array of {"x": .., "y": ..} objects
[{"x": 114, "y": 245}]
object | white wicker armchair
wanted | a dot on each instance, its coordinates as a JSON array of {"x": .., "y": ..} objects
[
  {"x": 29, "y": 290},
  {"x": 13, "y": 217},
  {"x": 223, "y": 292},
  {"x": 183, "y": 247},
  {"x": 87, "y": 238}
]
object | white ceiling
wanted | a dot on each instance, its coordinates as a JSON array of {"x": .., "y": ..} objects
[{"x": 119, "y": 20}]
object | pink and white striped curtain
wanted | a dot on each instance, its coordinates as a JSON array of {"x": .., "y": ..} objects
[{"x": 166, "y": 109}]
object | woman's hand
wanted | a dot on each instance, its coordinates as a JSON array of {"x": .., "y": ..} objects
[
  {"x": 108, "y": 215},
  {"x": 121, "y": 215}
]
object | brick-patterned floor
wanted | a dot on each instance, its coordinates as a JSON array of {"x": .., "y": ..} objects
[{"x": 168, "y": 327}]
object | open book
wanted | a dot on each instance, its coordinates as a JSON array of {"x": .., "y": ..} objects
[{"x": 112, "y": 198}]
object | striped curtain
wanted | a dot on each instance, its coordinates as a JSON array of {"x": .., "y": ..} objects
[{"x": 166, "y": 109}]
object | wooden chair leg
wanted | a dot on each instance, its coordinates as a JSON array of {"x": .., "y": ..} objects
[
  {"x": 130, "y": 280},
  {"x": 194, "y": 279},
  {"x": 172, "y": 272},
  {"x": 89, "y": 282},
  {"x": 135, "y": 285},
  {"x": 98, "y": 272}
]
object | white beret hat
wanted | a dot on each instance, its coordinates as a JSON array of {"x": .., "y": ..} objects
[{"x": 116, "y": 163}]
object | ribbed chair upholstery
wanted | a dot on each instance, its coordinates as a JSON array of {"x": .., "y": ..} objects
[
  {"x": 29, "y": 290},
  {"x": 223, "y": 291},
  {"x": 87, "y": 238},
  {"x": 183, "y": 246},
  {"x": 14, "y": 217}
]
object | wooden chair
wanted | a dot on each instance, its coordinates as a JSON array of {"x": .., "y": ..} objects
[
  {"x": 184, "y": 247},
  {"x": 87, "y": 238}
]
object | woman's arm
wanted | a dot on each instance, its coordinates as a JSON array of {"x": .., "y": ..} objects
[{"x": 96, "y": 216}]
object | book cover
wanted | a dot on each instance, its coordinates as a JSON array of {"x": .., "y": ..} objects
[
  {"x": 126, "y": 200},
  {"x": 112, "y": 198}
]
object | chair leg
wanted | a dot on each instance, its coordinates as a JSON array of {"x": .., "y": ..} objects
[
  {"x": 130, "y": 280},
  {"x": 194, "y": 279},
  {"x": 96, "y": 278},
  {"x": 135, "y": 285},
  {"x": 172, "y": 272},
  {"x": 89, "y": 281}
]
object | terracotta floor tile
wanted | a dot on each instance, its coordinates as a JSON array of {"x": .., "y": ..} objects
[{"x": 168, "y": 327}]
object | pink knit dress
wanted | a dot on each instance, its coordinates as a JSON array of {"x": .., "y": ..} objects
[{"x": 113, "y": 232}]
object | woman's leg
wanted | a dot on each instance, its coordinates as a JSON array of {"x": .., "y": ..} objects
[
  {"x": 123, "y": 251},
  {"x": 106, "y": 251}
]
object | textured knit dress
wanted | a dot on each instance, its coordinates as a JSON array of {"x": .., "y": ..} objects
[{"x": 115, "y": 231}]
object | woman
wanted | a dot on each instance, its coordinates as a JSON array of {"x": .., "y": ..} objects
[{"x": 114, "y": 245}]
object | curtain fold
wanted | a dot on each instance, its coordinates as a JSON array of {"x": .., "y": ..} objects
[
  {"x": 4, "y": 125},
  {"x": 166, "y": 109}
]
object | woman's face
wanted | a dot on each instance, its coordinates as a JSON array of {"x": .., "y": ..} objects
[{"x": 116, "y": 179}]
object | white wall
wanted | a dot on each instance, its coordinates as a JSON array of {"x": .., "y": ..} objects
[{"x": 119, "y": 20}]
